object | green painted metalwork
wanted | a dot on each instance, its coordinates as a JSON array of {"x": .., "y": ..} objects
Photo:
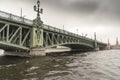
[
  {"x": 36, "y": 39},
  {"x": 14, "y": 35},
  {"x": 17, "y": 33}
]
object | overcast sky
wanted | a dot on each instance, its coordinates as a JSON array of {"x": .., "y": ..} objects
[{"x": 88, "y": 16}]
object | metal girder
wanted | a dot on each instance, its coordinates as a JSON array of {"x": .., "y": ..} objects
[
  {"x": 54, "y": 39},
  {"x": 49, "y": 39},
  {"x": 8, "y": 27},
  {"x": 24, "y": 39},
  {"x": 3, "y": 27},
  {"x": 14, "y": 34}
]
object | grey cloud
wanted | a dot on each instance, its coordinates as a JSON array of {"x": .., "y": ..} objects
[
  {"x": 111, "y": 7},
  {"x": 109, "y": 11},
  {"x": 83, "y": 6},
  {"x": 96, "y": 11}
]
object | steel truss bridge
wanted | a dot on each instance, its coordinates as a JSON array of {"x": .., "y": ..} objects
[{"x": 20, "y": 34}]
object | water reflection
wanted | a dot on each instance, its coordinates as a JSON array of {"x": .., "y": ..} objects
[{"x": 101, "y": 65}]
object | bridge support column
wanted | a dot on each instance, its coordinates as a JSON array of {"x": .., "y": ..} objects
[
  {"x": 37, "y": 52},
  {"x": 96, "y": 45},
  {"x": 36, "y": 38}
]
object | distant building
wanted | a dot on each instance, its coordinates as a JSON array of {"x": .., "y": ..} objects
[
  {"x": 108, "y": 45},
  {"x": 117, "y": 46}
]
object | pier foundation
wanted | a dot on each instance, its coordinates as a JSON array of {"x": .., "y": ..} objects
[
  {"x": 37, "y": 52},
  {"x": 97, "y": 49}
]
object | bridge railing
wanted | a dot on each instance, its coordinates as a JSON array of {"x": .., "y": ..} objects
[
  {"x": 64, "y": 32},
  {"x": 69, "y": 33},
  {"x": 15, "y": 18},
  {"x": 47, "y": 27}
]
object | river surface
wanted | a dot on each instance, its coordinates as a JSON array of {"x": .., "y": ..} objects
[{"x": 99, "y": 65}]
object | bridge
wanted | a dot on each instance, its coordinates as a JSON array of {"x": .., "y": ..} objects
[{"x": 32, "y": 36}]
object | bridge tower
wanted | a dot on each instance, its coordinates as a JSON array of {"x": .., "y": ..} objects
[
  {"x": 95, "y": 45},
  {"x": 36, "y": 39},
  {"x": 117, "y": 42}
]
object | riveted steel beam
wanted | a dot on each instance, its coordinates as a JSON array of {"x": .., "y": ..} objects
[
  {"x": 26, "y": 36},
  {"x": 3, "y": 27},
  {"x": 14, "y": 34}
]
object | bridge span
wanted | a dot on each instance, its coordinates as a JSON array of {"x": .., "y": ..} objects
[{"x": 18, "y": 34}]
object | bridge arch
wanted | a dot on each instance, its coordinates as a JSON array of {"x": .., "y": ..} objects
[
  {"x": 78, "y": 46},
  {"x": 75, "y": 46}
]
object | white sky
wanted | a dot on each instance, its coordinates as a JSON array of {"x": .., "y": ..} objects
[{"x": 58, "y": 13}]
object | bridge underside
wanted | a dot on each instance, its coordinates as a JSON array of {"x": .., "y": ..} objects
[{"x": 78, "y": 46}]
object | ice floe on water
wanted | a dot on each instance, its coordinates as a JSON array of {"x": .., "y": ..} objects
[
  {"x": 32, "y": 68},
  {"x": 32, "y": 79},
  {"x": 10, "y": 65},
  {"x": 30, "y": 74},
  {"x": 1, "y": 52},
  {"x": 0, "y": 67}
]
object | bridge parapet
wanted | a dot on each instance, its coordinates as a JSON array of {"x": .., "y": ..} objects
[
  {"x": 11, "y": 17},
  {"x": 57, "y": 30}
]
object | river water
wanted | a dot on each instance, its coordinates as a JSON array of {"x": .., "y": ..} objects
[{"x": 99, "y": 65}]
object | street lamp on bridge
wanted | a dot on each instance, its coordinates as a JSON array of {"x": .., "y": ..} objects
[
  {"x": 38, "y": 22},
  {"x": 37, "y": 9}
]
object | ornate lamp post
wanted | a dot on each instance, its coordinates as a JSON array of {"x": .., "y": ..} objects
[
  {"x": 37, "y": 30},
  {"x": 37, "y": 9},
  {"x": 38, "y": 22}
]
